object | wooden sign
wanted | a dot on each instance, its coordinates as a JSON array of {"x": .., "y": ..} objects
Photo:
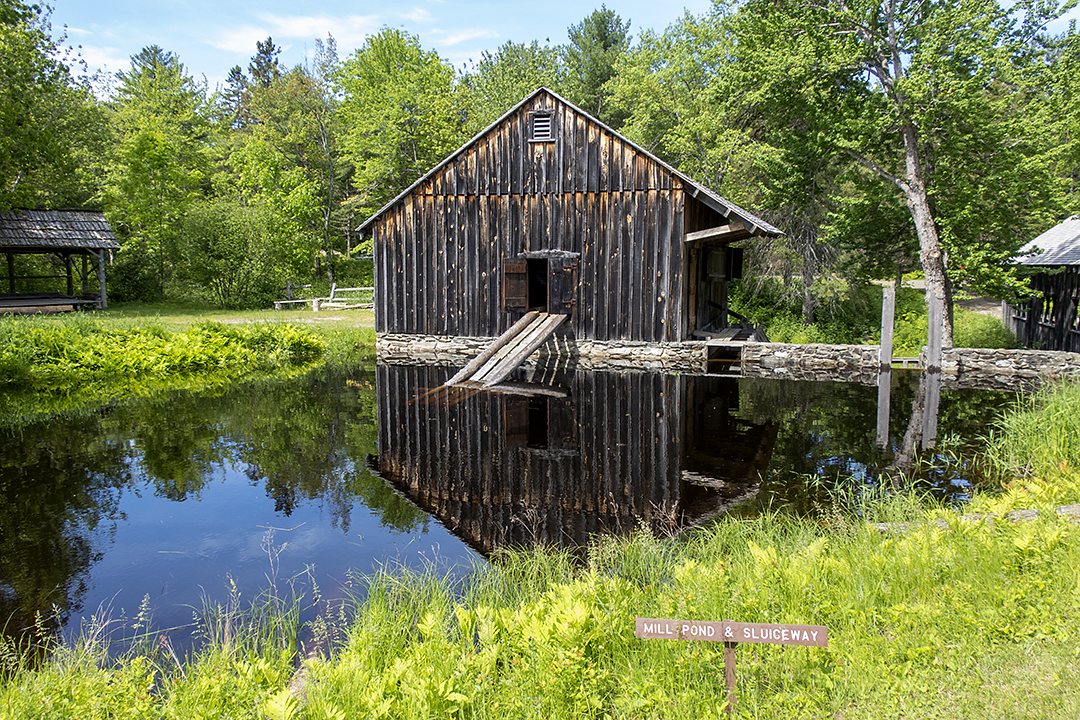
[{"x": 730, "y": 631}]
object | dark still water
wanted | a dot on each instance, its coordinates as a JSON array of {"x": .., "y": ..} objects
[{"x": 345, "y": 470}]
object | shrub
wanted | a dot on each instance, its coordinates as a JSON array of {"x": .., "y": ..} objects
[
  {"x": 131, "y": 278},
  {"x": 976, "y": 330},
  {"x": 229, "y": 253}
]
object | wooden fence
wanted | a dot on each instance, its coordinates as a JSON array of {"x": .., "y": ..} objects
[{"x": 1049, "y": 320}]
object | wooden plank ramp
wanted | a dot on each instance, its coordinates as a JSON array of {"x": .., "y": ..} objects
[{"x": 508, "y": 351}]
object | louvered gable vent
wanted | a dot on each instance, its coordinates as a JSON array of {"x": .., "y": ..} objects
[{"x": 543, "y": 129}]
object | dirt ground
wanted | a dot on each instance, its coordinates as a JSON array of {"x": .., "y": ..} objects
[{"x": 986, "y": 306}]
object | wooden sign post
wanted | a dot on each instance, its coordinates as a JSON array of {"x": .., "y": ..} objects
[{"x": 732, "y": 633}]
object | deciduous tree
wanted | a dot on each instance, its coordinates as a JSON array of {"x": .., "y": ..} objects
[
  {"x": 160, "y": 166},
  {"x": 914, "y": 92},
  {"x": 50, "y": 127},
  {"x": 400, "y": 112},
  {"x": 503, "y": 78}
]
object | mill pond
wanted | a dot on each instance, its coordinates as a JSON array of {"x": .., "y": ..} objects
[{"x": 185, "y": 497}]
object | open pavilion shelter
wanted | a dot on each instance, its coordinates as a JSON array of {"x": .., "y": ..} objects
[{"x": 74, "y": 238}]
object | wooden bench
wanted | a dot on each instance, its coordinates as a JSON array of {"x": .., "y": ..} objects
[
  {"x": 341, "y": 298},
  {"x": 354, "y": 298}
]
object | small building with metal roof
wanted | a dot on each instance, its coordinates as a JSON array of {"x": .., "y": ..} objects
[
  {"x": 1049, "y": 319},
  {"x": 549, "y": 209}
]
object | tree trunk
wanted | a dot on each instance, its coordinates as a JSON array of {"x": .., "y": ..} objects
[{"x": 931, "y": 254}]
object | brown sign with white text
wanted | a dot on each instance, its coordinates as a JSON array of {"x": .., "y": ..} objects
[{"x": 730, "y": 631}]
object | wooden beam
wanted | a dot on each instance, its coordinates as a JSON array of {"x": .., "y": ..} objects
[
  {"x": 103, "y": 299},
  {"x": 493, "y": 348},
  {"x": 723, "y": 233}
]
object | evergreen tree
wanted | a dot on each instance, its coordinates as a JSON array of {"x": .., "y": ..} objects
[
  {"x": 264, "y": 67},
  {"x": 595, "y": 45}
]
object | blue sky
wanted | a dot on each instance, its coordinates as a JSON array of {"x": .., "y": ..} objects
[{"x": 210, "y": 37}]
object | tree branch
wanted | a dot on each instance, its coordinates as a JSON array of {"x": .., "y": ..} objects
[{"x": 876, "y": 169}]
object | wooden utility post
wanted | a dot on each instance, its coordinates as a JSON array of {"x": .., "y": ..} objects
[
  {"x": 933, "y": 370},
  {"x": 885, "y": 354}
]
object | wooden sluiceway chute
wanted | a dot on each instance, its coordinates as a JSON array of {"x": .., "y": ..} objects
[{"x": 558, "y": 462}]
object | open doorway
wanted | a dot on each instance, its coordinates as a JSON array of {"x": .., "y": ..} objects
[{"x": 537, "y": 273}]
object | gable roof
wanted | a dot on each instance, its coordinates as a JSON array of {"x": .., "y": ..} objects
[
  {"x": 694, "y": 188},
  {"x": 56, "y": 230},
  {"x": 1060, "y": 245}
]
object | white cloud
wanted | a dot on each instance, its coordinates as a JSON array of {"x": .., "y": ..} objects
[
  {"x": 417, "y": 15},
  {"x": 104, "y": 58},
  {"x": 348, "y": 31},
  {"x": 450, "y": 38}
]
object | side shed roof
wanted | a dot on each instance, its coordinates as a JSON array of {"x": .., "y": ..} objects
[
  {"x": 1060, "y": 245},
  {"x": 56, "y": 230},
  {"x": 757, "y": 226}
]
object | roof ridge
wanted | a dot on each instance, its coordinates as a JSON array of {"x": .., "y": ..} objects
[{"x": 726, "y": 206}]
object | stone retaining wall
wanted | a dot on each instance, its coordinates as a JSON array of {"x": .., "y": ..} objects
[
  {"x": 687, "y": 357},
  {"x": 850, "y": 363},
  {"x": 960, "y": 367}
]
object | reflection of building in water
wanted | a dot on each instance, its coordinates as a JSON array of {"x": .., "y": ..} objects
[{"x": 586, "y": 453}]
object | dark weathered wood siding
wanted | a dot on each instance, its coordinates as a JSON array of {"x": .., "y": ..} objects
[
  {"x": 1050, "y": 320},
  {"x": 439, "y": 249}
]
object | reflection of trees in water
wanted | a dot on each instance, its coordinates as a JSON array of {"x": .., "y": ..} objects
[
  {"x": 60, "y": 486},
  {"x": 61, "y": 478},
  {"x": 828, "y": 433},
  {"x": 304, "y": 440}
]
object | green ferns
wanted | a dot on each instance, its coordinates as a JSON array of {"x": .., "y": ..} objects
[
  {"x": 81, "y": 363},
  {"x": 50, "y": 357}
]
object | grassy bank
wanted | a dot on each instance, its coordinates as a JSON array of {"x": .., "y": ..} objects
[
  {"x": 851, "y": 314},
  {"x": 973, "y": 621},
  {"x": 969, "y": 620},
  {"x": 72, "y": 362}
]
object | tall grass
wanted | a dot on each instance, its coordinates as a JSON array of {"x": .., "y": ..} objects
[
  {"x": 920, "y": 623},
  {"x": 245, "y": 652},
  {"x": 851, "y": 314},
  {"x": 1041, "y": 435}
]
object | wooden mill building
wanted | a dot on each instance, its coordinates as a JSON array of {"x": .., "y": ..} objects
[
  {"x": 73, "y": 238},
  {"x": 549, "y": 209},
  {"x": 1049, "y": 319}
]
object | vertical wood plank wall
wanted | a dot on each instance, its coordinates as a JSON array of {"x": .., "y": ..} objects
[
  {"x": 1050, "y": 320},
  {"x": 439, "y": 250}
]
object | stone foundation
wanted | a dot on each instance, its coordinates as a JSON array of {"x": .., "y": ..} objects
[
  {"x": 960, "y": 367},
  {"x": 687, "y": 357}
]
